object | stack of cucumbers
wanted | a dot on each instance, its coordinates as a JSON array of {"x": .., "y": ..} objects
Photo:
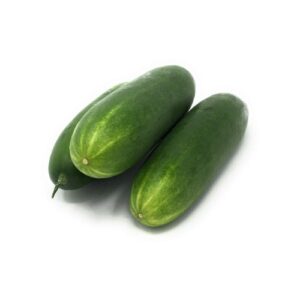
[{"x": 124, "y": 124}]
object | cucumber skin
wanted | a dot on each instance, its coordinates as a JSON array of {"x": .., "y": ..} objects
[
  {"x": 183, "y": 166},
  {"x": 60, "y": 166},
  {"x": 116, "y": 133}
]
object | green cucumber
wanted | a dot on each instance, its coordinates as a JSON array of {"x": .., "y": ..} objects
[
  {"x": 61, "y": 169},
  {"x": 186, "y": 162},
  {"x": 117, "y": 132}
]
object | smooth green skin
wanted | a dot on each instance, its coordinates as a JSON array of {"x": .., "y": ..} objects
[
  {"x": 61, "y": 169},
  {"x": 117, "y": 132},
  {"x": 189, "y": 158}
]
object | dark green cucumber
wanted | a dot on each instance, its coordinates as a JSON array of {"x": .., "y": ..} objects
[
  {"x": 117, "y": 132},
  {"x": 61, "y": 169},
  {"x": 182, "y": 167}
]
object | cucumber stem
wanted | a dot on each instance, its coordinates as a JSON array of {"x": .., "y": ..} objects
[
  {"x": 56, "y": 187},
  {"x": 61, "y": 180}
]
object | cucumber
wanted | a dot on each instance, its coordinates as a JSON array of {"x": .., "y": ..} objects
[
  {"x": 183, "y": 166},
  {"x": 117, "y": 132},
  {"x": 61, "y": 169}
]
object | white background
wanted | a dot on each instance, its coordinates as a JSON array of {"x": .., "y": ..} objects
[{"x": 240, "y": 242}]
